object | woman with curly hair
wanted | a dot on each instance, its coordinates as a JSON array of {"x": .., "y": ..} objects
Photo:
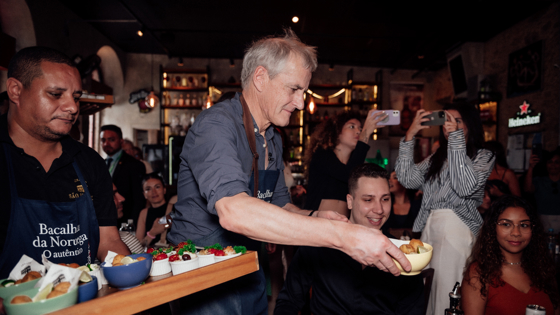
[
  {"x": 337, "y": 146},
  {"x": 510, "y": 266}
]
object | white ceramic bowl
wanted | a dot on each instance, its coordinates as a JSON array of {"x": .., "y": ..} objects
[
  {"x": 222, "y": 258},
  {"x": 205, "y": 260},
  {"x": 160, "y": 267},
  {"x": 178, "y": 267},
  {"x": 417, "y": 261}
]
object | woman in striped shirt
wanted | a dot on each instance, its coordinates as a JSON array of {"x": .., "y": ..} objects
[{"x": 452, "y": 180}]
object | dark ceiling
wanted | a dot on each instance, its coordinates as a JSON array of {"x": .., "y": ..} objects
[{"x": 390, "y": 34}]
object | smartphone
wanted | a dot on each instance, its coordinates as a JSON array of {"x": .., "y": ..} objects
[
  {"x": 393, "y": 117},
  {"x": 436, "y": 119}
]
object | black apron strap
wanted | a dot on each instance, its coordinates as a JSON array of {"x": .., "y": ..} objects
[{"x": 249, "y": 131}]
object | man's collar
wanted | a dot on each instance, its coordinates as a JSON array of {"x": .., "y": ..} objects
[
  {"x": 115, "y": 155},
  {"x": 269, "y": 134}
]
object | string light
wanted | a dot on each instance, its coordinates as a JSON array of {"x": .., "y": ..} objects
[{"x": 295, "y": 19}]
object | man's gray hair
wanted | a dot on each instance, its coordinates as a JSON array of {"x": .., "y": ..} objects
[{"x": 273, "y": 52}]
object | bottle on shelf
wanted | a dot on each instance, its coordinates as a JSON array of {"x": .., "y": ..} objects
[
  {"x": 165, "y": 80},
  {"x": 183, "y": 81},
  {"x": 194, "y": 101},
  {"x": 192, "y": 119},
  {"x": 188, "y": 100},
  {"x": 181, "y": 100}
]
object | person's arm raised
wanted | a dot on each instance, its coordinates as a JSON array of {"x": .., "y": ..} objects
[{"x": 265, "y": 222}]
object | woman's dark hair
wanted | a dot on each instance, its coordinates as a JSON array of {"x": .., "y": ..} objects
[
  {"x": 326, "y": 135},
  {"x": 535, "y": 260},
  {"x": 153, "y": 175},
  {"x": 475, "y": 138},
  {"x": 498, "y": 149}
]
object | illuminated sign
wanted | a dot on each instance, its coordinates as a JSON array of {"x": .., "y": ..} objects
[{"x": 527, "y": 119}]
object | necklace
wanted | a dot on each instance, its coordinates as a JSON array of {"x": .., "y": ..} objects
[{"x": 510, "y": 263}]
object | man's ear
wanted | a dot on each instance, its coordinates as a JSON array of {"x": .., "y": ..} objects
[
  {"x": 260, "y": 78},
  {"x": 14, "y": 88},
  {"x": 349, "y": 200}
]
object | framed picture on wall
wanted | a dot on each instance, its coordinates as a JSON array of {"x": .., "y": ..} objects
[
  {"x": 408, "y": 98},
  {"x": 525, "y": 70}
]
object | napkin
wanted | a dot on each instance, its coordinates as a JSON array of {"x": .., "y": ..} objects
[{"x": 25, "y": 265}]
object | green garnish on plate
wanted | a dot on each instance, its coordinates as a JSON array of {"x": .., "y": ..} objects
[{"x": 240, "y": 249}]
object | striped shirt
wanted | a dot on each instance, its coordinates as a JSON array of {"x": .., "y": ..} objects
[
  {"x": 131, "y": 242},
  {"x": 460, "y": 186}
]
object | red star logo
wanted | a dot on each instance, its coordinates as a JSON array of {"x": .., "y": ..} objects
[{"x": 524, "y": 107}]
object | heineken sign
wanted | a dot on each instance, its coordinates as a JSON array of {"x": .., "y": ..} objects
[{"x": 523, "y": 117}]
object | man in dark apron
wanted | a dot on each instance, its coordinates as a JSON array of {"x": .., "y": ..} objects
[
  {"x": 230, "y": 188},
  {"x": 56, "y": 193}
]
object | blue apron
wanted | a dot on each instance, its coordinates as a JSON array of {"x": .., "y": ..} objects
[
  {"x": 247, "y": 294},
  {"x": 244, "y": 295},
  {"x": 65, "y": 232}
]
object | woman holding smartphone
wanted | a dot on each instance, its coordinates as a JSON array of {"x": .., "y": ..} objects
[{"x": 453, "y": 180}]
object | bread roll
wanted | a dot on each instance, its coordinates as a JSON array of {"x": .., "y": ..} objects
[
  {"x": 54, "y": 294},
  {"x": 73, "y": 265},
  {"x": 141, "y": 258},
  {"x": 118, "y": 259},
  {"x": 32, "y": 275},
  {"x": 407, "y": 249},
  {"x": 20, "y": 299},
  {"x": 415, "y": 243},
  {"x": 62, "y": 287}
]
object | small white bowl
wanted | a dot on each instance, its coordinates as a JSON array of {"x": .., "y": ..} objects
[
  {"x": 178, "y": 267},
  {"x": 160, "y": 267},
  {"x": 205, "y": 260},
  {"x": 222, "y": 258}
]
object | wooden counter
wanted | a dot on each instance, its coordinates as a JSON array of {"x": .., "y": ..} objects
[{"x": 166, "y": 288}]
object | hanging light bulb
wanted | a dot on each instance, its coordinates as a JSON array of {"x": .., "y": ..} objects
[
  {"x": 152, "y": 100},
  {"x": 311, "y": 106}
]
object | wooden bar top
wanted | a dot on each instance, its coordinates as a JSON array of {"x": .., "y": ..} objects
[{"x": 165, "y": 288}]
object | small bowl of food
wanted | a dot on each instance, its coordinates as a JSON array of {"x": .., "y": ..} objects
[
  {"x": 9, "y": 287},
  {"x": 419, "y": 255},
  {"x": 227, "y": 253},
  {"x": 129, "y": 272},
  {"x": 33, "y": 302},
  {"x": 87, "y": 290},
  {"x": 206, "y": 257},
  {"x": 183, "y": 263}
]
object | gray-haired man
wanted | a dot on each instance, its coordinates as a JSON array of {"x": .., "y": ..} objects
[{"x": 216, "y": 179}]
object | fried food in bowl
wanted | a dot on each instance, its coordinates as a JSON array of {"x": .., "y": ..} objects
[{"x": 418, "y": 261}]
